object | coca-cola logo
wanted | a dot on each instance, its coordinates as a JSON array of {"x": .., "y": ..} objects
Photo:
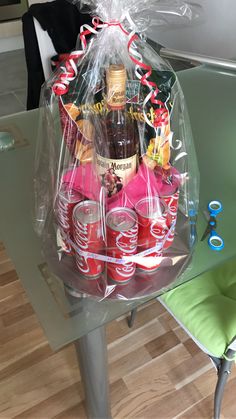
[
  {"x": 81, "y": 235},
  {"x": 126, "y": 270},
  {"x": 157, "y": 231},
  {"x": 82, "y": 264},
  {"x": 173, "y": 205},
  {"x": 126, "y": 241},
  {"x": 62, "y": 241},
  {"x": 173, "y": 210},
  {"x": 62, "y": 214},
  {"x": 170, "y": 237}
]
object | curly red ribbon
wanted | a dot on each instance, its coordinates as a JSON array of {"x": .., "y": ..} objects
[{"x": 61, "y": 86}]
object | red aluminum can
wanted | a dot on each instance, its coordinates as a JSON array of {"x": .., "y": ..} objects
[
  {"x": 172, "y": 202},
  {"x": 169, "y": 239},
  {"x": 88, "y": 237},
  {"x": 152, "y": 229},
  {"x": 67, "y": 199},
  {"x": 122, "y": 240}
]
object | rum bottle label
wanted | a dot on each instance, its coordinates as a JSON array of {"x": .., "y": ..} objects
[{"x": 115, "y": 174}]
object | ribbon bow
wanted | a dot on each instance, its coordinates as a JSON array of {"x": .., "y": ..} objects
[{"x": 142, "y": 71}]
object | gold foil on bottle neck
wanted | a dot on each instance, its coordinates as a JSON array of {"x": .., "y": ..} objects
[
  {"x": 116, "y": 71},
  {"x": 116, "y": 85}
]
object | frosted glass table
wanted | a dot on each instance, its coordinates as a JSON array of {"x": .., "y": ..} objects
[{"x": 210, "y": 98}]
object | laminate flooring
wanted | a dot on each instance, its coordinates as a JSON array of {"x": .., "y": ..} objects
[{"x": 155, "y": 370}]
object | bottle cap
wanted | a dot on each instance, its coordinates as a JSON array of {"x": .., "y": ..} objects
[
  {"x": 116, "y": 71},
  {"x": 116, "y": 85}
]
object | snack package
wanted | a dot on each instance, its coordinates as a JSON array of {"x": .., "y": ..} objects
[{"x": 116, "y": 179}]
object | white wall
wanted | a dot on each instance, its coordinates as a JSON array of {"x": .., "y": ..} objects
[
  {"x": 215, "y": 37},
  {"x": 11, "y": 37}
]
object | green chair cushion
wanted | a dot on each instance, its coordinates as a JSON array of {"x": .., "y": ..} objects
[{"x": 206, "y": 307}]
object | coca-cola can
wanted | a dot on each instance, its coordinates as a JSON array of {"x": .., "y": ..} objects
[
  {"x": 87, "y": 235},
  {"x": 152, "y": 230},
  {"x": 169, "y": 238},
  {"x": 122, "y": 240},
  {"x": 172, "y": 202},
  {"x": 67, "y": 199}
]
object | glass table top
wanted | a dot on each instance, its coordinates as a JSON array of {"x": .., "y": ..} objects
[{"x": 211, "y": 103}]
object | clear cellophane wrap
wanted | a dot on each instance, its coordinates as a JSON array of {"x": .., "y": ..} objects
[{"x": 116, "y": 179}]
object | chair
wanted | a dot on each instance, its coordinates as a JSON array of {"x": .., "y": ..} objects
[
  {"x": 206, "y": 309},
  {"x": 49, "y": 28},
  {"x": 46, "y": 48}
]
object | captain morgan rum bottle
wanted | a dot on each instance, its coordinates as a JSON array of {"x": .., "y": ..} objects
[{"x": 118, "y": 142}]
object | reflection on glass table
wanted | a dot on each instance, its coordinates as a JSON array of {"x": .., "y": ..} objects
[{"x": 211, "y": 104}]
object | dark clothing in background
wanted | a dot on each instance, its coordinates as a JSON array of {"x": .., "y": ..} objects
[
  {"x": 33, "y": 62},
  {"x": 62, "y": 21}
]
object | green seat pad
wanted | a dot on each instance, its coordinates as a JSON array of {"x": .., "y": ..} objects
[{"x": 206, "y": 307}]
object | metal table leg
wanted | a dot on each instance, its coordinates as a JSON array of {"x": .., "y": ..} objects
[
  {"x": 91, "y": 350},
  {"x": 92, "y": 354}
]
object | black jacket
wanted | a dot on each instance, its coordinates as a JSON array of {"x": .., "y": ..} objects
[{"x": 62, "y": 21}]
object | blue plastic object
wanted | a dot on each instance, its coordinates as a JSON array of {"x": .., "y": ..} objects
[
  {"x": 215, "y": 241},
  {"x": 215, "y": 207}
]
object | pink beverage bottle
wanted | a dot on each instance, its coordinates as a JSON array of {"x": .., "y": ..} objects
[
  {"x": 122, "y": 240},
  {"x": 172, "y": 202},
  {"x": 152, "y": 230},
  {"x": 67, "y": 199},
  {"x": 88, "y": 237}
]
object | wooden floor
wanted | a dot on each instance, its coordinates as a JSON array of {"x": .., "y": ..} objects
[{"x": 156, "y": 371}]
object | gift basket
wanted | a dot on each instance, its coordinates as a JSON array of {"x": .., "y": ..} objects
[{"x": 116, "y": 179}]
